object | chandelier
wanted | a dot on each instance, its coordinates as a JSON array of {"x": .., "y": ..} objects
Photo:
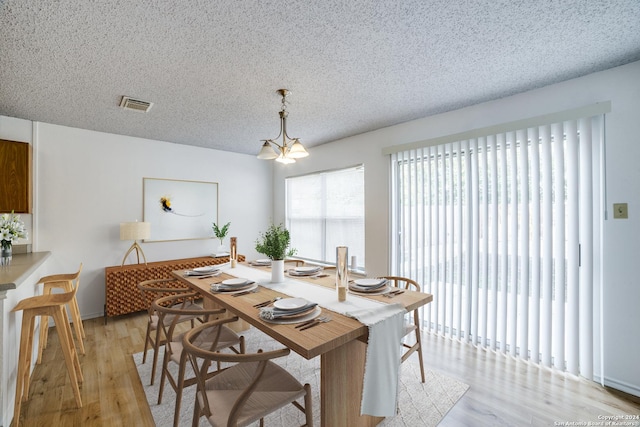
[{"x": 290, "y": 149}]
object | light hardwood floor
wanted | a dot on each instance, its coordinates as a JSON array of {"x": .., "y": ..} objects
[{"x": 503, "y": 391}]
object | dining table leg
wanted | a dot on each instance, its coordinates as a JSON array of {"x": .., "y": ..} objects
[
  {"x": 237, "y": 326},
  {"x": 341, "y": 379}
]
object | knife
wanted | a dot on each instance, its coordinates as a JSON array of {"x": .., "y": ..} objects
[
  {"x": 239, "y": 294},
  {"x": 311, "y": 325},
  {"x": 307, "y": 323},
  {"x": 208, "y": 276}
]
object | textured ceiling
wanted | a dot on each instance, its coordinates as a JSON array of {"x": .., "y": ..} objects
[{"x": 211, "y": 68}]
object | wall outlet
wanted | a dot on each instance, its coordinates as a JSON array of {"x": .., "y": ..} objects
[{"x": 620, "y": 211}]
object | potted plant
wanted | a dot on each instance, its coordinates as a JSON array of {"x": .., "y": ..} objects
[
  {"x": 274, "y": 243},
  {"x": 220, "y": 234}
]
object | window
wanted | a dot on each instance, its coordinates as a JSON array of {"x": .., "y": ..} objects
[
  {"x": 325, "y": 210},
  {"x": 503, "y": 230}
]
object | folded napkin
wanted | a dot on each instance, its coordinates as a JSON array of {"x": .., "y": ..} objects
[
  {"x": 382, "y": 363},
  {"x": 302, "y": 273},
  {"x": 368, "y": 288},
  {"x": 212, "y": 272},
  {"x": 271, "y": 313},
  {"x": 222, "y": 287}
]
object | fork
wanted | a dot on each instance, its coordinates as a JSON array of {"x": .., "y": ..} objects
[
  {"x": 266, "y": 303},
  {"x": 308, "y": 322},
  {"x": 252, "y": 291},
  {"x": 394, "y": 293},
  {"x": 314, "y": 322}
]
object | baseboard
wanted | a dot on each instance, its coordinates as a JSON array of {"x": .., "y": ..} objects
[
  {"x": 87, "y": 316},
  {"x": 622, "y": 386}
]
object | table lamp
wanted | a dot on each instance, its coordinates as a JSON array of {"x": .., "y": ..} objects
[{"x": 135, "y": 231}]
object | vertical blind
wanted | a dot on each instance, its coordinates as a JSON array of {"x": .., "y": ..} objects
[
  {"x": 325, "y": 210},
  {"x": 503, "y": 230}
]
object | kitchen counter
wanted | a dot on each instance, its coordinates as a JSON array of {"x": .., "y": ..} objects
[{"x": 21, "y": 266}]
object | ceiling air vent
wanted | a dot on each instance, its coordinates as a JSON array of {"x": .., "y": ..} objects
[{"x": 135, "y": 104}]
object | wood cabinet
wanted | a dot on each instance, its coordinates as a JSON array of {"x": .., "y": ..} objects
[
  {"x": 122, "y": 295},
  {"x": 15, "y": 176}
]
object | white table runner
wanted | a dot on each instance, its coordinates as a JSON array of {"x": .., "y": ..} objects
[{"x": 386, "y": 329}]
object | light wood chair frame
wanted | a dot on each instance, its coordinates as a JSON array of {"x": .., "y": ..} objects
[
  {"x": 208, "y": 356},
  {"x": 67, "y": 283},
  {"x": 154, "y": 336},
  {"x": 172, "y": 310},
  {"x": 410, "y": 284}
]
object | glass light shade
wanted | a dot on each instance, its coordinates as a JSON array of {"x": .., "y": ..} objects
[
  {"x": 135, "y": 230},
  {"x": 267, "y": 152},
  {"x": 285, "y": 159},
  {"x": 297, "y": 150}
]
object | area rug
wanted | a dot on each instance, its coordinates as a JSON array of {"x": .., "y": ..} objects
[{"x": 418, "y": 404}]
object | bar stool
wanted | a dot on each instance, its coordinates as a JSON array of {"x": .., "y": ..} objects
[
  {"x": 65, "y": 282},
  {"x": 45, "y": 305}
]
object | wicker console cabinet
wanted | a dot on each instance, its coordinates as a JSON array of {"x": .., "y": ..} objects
[{"x": 121, "y": 292}]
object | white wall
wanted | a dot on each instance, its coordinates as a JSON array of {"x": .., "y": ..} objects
[
  {"x": 621, "y": 86},
  {"x": 88, "y": 182},
  {"x": 15, "y": 130}
]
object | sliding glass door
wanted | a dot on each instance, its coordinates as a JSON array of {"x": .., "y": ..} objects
[{"x": 504, "y": 230}]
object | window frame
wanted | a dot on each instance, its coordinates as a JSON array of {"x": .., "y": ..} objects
[{"x": 360, "y": 257}]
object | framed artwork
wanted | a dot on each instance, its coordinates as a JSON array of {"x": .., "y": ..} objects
[{"x": 179, "y": 210}]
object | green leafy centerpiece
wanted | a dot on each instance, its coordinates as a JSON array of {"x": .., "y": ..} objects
[{"x": 274, "y": 243}]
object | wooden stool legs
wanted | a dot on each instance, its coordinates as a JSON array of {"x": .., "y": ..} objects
[
  {"x": 46, "y": 305},
  {"x": 65, "y": 282},
  {"x": 75, "y": 315}
]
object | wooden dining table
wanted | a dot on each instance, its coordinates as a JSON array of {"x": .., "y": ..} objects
[{"x": 341, "y": 343}]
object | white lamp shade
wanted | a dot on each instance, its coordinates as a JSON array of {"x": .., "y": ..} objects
[
  {"x": 267, "y": 152},
  {"x": 297, "y": 150},
  {"x": 135, "y": 230}
]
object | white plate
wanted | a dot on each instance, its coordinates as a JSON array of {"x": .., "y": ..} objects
[
  {"x": 290, "y": 303},
  {"x": 235, "y": 282},
  {"x": 220, "y": 254},
  {"x": 306, "y": 269},
  {"x": 294, "y": 273},
  {"x": 368, "y": 282},
  {"x": 381, "y": 291},
  {"x": 207, "y": 269},
  {"x": 234, "y": 291},
  {"x": 315, "y": 313}
]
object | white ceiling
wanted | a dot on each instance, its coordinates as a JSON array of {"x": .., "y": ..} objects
[{"x": 212, "y": 68}]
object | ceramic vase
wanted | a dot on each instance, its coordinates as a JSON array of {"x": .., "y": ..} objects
[{"x": 277, "y": 271}]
